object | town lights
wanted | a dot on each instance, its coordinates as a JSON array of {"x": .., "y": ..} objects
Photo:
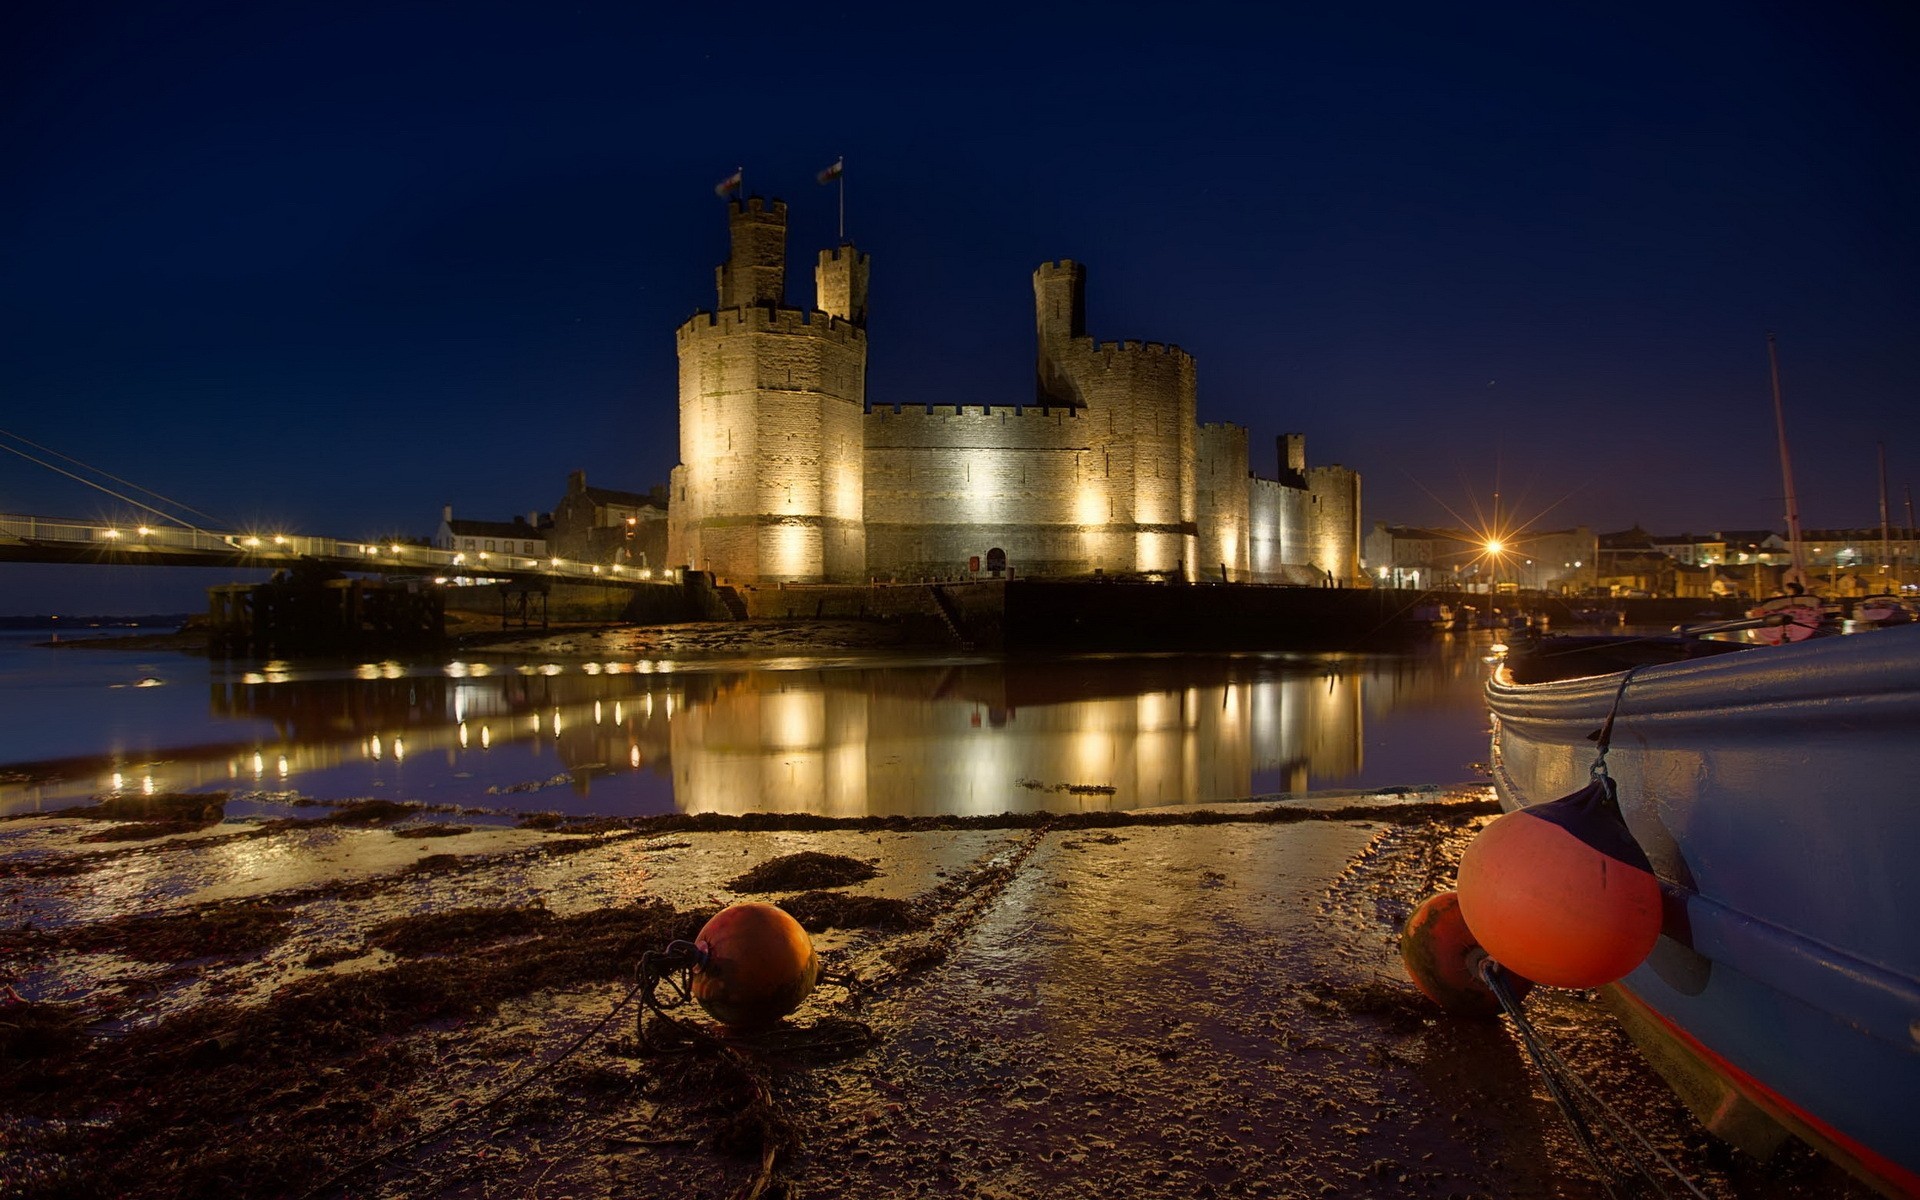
[
  {"x": 1495, "y": 546},
  {"x": 111, "y": 535}
]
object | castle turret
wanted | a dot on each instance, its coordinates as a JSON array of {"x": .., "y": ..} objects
[
  {"x": 1059, "y": 316},
  {"x": 756, "y": 269},
  {"x": 840, "y": 283}
]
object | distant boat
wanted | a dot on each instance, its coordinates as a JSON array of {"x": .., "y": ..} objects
[
  {"x": 1881, "y": 610},
  {"x": 1774, "y": 791},
  {"x": 1434, "y": 615}
]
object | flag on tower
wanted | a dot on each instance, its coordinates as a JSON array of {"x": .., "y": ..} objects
[
  {"x": 729, "y": 185},
  {"x": 835, "y": 171}
]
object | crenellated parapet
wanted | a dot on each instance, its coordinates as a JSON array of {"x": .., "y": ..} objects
[{"x": 733, "y": 322}]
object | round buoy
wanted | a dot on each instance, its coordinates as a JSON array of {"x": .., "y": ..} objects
[
  {"x": 1443, "y": 960},
  {"x": 1561, "y": 893},
  {"x": 756, "y": 965}
]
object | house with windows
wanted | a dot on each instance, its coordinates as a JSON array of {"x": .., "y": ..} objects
[
  {"x": 522, "y": 537},
  {"x": 604, "y": 525}
]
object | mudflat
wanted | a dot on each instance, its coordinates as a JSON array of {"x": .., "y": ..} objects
[{"x": 388, "y": 1001}]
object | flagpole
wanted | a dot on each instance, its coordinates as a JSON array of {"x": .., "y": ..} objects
[{"x": 843, "y": 197}]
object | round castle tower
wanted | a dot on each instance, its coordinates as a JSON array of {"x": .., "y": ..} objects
[
  {"x": 770, "y": 486},
  {"x": 1138, "y": 507}
]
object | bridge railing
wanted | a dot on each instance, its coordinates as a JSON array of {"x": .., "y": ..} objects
[{"x": 279, "y": 549}]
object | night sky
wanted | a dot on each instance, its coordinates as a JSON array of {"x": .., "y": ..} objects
[{"x": 326, "y": 268}]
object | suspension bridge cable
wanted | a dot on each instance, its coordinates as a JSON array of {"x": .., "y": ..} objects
[
  {"x": 109, "y": 475},
  {"x": 185, "y": 507},
  {"x": 109, "y": 491}
]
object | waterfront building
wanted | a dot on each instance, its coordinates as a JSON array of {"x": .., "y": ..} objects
[
  {"x": 606, "y": 525},
  {"x": 1405, "y": 556},
  {"x": 521, "y": 535},
  {"x": 790, "y": 472}
]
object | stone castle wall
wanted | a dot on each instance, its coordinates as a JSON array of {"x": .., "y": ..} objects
[{"x": 1223, "y": 497}]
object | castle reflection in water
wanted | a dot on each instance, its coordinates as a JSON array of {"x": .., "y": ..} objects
[{"x": 907, "y": 739}]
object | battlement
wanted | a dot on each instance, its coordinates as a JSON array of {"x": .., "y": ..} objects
[
  {"x": 754, "y": 204},
  {"x": 834, "y": 253},
  {"x": 1035, "y": 412},
  {"x": 1065, "y": 266},
  {"x": 1134, "y": 347},
  {"x": 761, "y": 318}
]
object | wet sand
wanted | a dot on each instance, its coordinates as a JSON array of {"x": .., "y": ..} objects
[{"x": 1168, "y": 1003}]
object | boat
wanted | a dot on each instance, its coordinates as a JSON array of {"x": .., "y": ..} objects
[
  {"x": 1432, "y": 615},
  {"x": 1774, "y": 791},
  {"x": 1881, "y": 610}
]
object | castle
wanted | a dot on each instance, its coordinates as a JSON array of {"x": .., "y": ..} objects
[{"x": 788, "y": 474}]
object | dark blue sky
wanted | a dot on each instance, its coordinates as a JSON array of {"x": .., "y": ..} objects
[{"x": 329, "y": 267}]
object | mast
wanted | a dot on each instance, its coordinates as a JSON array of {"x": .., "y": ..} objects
[
  {"x": 1794, "y": 572},
  {"x": 1886, "y": 531}
]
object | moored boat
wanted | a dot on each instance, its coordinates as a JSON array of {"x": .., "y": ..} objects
[{"x": 1773, "y": 791}]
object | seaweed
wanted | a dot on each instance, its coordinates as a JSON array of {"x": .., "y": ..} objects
[{"x": 807, "y": 869}]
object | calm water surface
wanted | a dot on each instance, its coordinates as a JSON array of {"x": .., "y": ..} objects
[{"x": 841, "y": 737}]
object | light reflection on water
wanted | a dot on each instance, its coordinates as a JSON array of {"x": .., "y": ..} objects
[{"x": 844, "y": 739}]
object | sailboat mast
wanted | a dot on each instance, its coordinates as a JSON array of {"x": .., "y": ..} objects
[
  {"x": 1886, "y": 531},
  {"x": 1794, "y": 572}
]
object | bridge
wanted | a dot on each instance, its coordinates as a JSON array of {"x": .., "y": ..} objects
[{"x": 32, "y": 539}]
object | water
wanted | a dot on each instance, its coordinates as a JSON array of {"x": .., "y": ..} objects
[{"x": 845, "y": 737}]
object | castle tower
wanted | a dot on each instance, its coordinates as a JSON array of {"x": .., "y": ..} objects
[
  {"x": 1139, "y": 501},
  {"x": 756, "y": 271},
  {"x": 771, "y": 482},
  {"x": 840, "y": 284},
  {"x": 1059, "y": 317}
]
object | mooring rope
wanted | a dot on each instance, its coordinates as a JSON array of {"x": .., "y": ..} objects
[
  {"x": 827, "y": 1039},
  {"x": 454, "y": 1122},
  {"x": 1563, "y": 1083}
]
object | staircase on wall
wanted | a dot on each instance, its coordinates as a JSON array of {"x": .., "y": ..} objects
[{"x": 949, "y": 615}]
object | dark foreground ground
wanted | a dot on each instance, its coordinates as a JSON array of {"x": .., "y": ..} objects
[{"x": 388, "y": 1002}]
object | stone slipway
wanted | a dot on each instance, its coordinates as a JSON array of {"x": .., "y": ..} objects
[{"x": 1195, "y": 1003}]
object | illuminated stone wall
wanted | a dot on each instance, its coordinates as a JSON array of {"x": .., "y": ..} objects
[
  {"x": 1223, "y": 499},
  {"x": 947, "y": 484},
  {"x": 1333, "y": 522}
]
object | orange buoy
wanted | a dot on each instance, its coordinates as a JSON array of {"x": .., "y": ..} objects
[
  {"x": 1560, "y": 892},
  {"x": 1444, "y": 961},
  {"x": 756, "y": 965}
]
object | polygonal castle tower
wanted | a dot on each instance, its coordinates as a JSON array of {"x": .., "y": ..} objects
[
  {"x": 771, "y": 483},
  {"x": 1140, "y": 396}
]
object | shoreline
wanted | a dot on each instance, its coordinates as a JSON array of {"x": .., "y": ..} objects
[{"x": 1200, "y": 1002}]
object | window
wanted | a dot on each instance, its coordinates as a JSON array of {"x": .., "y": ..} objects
[
  {"x": 469, "y": 543},
  {"x": 489, "y": 543},
  {"x": 527, "y": 548}
]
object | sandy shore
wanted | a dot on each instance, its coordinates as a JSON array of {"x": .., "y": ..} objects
[{"x": 1171, "y": 1003}]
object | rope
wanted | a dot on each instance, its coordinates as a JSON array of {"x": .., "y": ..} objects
[
  {"x": 825, "y": 1040},
  {"x": 1605, "y": 736},
  {"x": 452, "y": 1123},
  {"x": 1568, "y": 1089},
  {"x": 663, "y": 982}
]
